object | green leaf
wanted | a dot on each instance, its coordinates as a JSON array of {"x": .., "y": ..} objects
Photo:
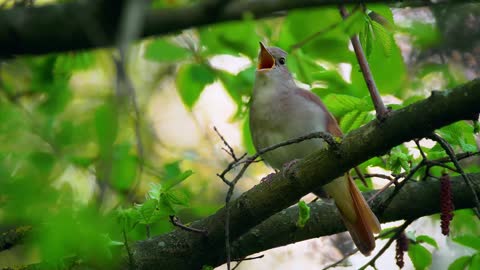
[
  {"x": 174, "y": 175},
  {"x": 460, "y": 263},
  {"x": 348, "y": 119},
  {"x": 420, "y": 256},
  {"x": 384, "y": 38},
  {"x": 459, "y": 134},
  {"x": 155, "y": 191},
  {"x": 366, "y": 36},
  {"x": 475, "y": 262},
  {"x": 427, "y": 239},
  {"x": 399, "y": 159},
  {"x": 354, "y": 23},
  {"x": 67, "y": 63},
  {"x": 191, "y": 80},
  {"x": 303, "y": 214},
  {"x": 164, "y": 51},
  {"x": 471, "y": 241},
  {"x": 146, "y": 210},
  {"x": 175, "y": 197},
  {"x": 339, "y": 105},
  {"x": 390, "y": 232},
  {"x": 354, "y": 120}
]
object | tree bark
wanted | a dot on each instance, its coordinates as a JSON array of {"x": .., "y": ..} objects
[{"x": 184, "y": 250}]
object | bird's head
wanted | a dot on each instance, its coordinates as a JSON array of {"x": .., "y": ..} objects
[{"x": 272, "y": 63}]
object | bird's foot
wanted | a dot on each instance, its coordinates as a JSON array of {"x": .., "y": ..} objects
[{"x": 289, "y": 171}]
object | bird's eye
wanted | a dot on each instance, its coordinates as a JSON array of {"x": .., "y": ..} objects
[{"x": 281, "y": 61}]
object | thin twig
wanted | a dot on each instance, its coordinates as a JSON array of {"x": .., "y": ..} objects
[
  {"x": 417, "y": 142},
  {"x": 387, "y": 245},
  {"x": 177, "y": 223},
  {"x": 246, "y": 161},
  {"x": 230, "y": 149},
  {"x": 360, "y": 176},
  {"x": 239, "y": 261},
  {"x": 448, "y": 149},
  {"x": 380, "y": 108},
  {"x": 398, "y": 187},
  {"x": 378, "y": 175}
]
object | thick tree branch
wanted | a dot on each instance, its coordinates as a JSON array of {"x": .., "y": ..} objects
[
  {"x": 93, "y": 24},
  {"x": 184, "y": 250}
]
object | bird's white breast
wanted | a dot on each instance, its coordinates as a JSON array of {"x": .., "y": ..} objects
[{"x": 280, "y": 115}]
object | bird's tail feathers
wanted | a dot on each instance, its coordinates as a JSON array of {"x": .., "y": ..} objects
[{"x": 357, "y": 215}]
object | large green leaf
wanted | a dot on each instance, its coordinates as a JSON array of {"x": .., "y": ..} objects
[
  {"x": 191, "y": 80},
  {"x": 420, "y": 256}
]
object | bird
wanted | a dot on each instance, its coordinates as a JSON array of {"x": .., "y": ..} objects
[{"x": 281, "y": 110}]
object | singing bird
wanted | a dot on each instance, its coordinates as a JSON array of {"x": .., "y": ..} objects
[{"x": 280, "y": 110}]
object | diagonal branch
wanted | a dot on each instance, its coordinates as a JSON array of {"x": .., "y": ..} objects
[{"x": 254, "y": 206}]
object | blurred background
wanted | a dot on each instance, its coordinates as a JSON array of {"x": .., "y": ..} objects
[{"x": 97, "y": 144}]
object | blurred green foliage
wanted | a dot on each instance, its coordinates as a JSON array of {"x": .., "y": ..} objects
[{"x": 69, "y": 164}]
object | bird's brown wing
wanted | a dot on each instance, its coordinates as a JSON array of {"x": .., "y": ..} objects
[{"x": 332, "y": 124}]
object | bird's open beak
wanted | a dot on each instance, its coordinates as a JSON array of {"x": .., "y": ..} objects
[{"x": 265, "y": 59}]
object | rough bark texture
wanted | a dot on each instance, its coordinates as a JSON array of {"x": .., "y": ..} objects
[
  {"x": 184, "y": 250},
  {"x": 92, "y": 24}
]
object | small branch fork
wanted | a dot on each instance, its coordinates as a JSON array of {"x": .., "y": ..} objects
[
  {"x": 246, "y": 161},
  {"x": 367, "y": 73}
]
